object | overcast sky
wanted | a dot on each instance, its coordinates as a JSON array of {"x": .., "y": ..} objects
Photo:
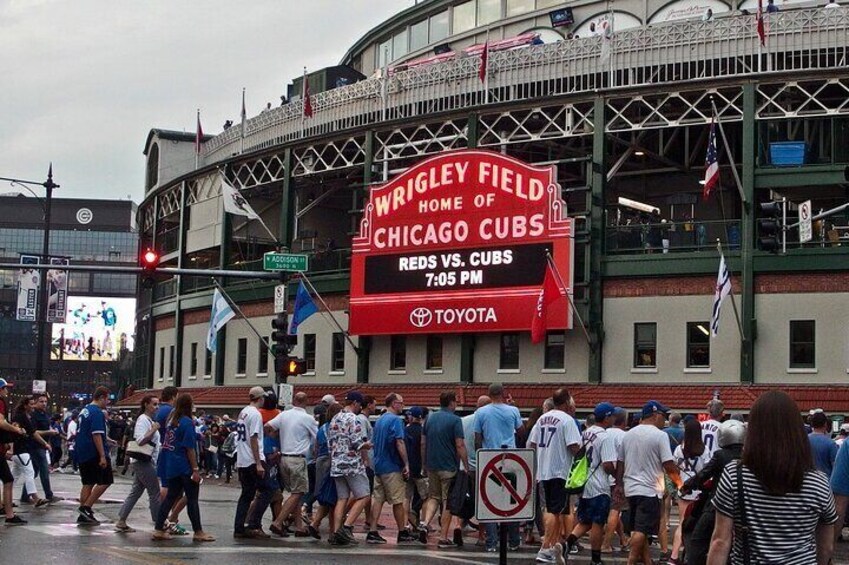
[{"x": 84, "y": 81}]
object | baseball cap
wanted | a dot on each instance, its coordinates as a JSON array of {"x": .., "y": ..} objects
[
  {"x": 256, "y": 392},
  {"x": 603, "y": 410},
  {"x": 328, "y": 399},
  {"x": 653, "y": 407},
  {"x": 4, "y": 383},
  {"x": 416, "y": 412},
  {"x": 844, "y": 428},
  {"x": 813, "y": 411},
  {"x": 355, "y": 396}
]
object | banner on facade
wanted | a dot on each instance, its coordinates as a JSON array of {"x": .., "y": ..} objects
[
  {"x": 458, "y": 243},
  {"x": 57, "y": 288},
  {"x": 28, "y": 283}
]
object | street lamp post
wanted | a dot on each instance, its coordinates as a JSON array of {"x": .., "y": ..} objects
[{"x": 41, "y": 309}]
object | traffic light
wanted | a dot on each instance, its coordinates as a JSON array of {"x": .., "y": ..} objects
[
  {"x": 770, "y": 227},
  {"x": 149, "y": 263},
  {"x": 286, "y": 366},
  {"x": 283, "y": 342}
]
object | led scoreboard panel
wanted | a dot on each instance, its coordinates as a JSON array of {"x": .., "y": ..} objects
[{"x": 458, "y": 243}]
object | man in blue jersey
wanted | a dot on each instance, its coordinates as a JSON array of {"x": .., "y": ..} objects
[
  {"x": 93, "y": 455},
  {"x": 166, "y": 405}
]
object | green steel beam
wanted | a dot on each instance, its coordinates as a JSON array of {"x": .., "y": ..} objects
[
  {"x": 467, "y": 341},
  {"x": 805, "y": 175},
  {"x": 287, "y": 201},
  {"x": 748, "y": 235},
  {"x": 595, "y": 250},
  {"x": 658, "y": 264},
  {"x": 472, "y": 127},
  {"x": 151, "y": 321},
  {"x": 178, "y": 311}
]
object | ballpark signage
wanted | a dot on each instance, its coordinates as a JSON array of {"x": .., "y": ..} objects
[{"x": 458, "y": 243}]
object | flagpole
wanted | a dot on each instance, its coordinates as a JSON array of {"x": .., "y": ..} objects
[
  {"x": 486, "y": 69},
  {"x": 330, "y": 313},
  {"x": 304, "y": 102},
  {"x": 729, "y": 153},
  {"x": 563, "y": 285},
  {"x": 242, "y": 314},
  {"x": 197, "y": 140},
  {"x": 731, "y": 292},
  {"x": 244, "y": 119}
]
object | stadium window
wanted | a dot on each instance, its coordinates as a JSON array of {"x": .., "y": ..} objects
[
  {"x": 516, "y": 7},
  {"x": 433, "y": 353},
  {"x": 337, "y": 353},
  {"x": 172, "y": 358},
  {"x": 645, "y": 345},
  {"x": 242, "y": 356},
  {"x": 555, "y": 350},
  {"x": 309, "y": 352},
  {"x": 399, "y": 44},
  {"x": 161, "y": 363},
  {"x": 262, "y": 365},
  {"x": 698, "y": 344},
  {"x": 384, "y": 53},
  {"x": 439, "y": 26},
  {"x": 509, "y": 351},
  {"x": 398, "y": 352},
  {"x": 207, "y": 363},
  {"x": 488, "y": 11},
  {"x": 802, "y": 344},
  {"x": 463, "y": 18},
  {"x": 418, "y": 35},
  {"x": 193, "y": 362}
]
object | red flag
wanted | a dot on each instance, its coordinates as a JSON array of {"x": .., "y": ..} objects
[
  {"x": 550, "y": 292},
  {"x": 307, "y": 101},
  {"x": 761, "y": 27},
  {"x": 198, "y": 136},
  {"x": 482, "y": 72}
]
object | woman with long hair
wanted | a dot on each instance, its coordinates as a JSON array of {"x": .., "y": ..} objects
[
  {"x": 181, "y": 469},
  {"x": 691, "y": 457},
  {"x": 145, "y": 432},
  {"x": 322, "y": 471},
  {"x": 22, "y": 465},
  {"x": 786, "y": 513}
]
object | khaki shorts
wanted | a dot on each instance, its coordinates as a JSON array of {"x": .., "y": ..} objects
[
  {"x": 390, "y": 488},
  {"x": 439, "y": 484},
  {"x": 293, "y": 471},
  {"x": 417, "y": 485}
]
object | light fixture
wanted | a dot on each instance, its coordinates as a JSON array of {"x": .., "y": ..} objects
[
  {"x": 703, "y": 329},
  {"x": 702, "y": 182},
  {"x": 639, "y": 153},
  {"x": 627, "y": 202}
]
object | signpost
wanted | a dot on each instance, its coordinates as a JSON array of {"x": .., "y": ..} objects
[
  {"x": 506, "y": 489},
  {"x": 273, "y": 261},
  {"x": 806, "y": 232}
]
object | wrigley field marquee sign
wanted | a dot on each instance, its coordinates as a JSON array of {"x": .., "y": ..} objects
[{"x": 458, "y": 243}]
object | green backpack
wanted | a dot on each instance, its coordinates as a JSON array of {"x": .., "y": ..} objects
[{"x": 579, "y": 473}]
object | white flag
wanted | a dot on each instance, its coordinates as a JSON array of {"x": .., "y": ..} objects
[
  {"x": 723, "y": 289},
  {"x": 222, "y": 313},
  {"x": 234, "y": 202}
]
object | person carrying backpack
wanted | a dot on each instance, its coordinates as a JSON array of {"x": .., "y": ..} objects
[{"x": 228, "y": 452}]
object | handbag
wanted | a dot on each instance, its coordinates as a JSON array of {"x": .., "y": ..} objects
[
  {"x": 212, "y": 449},
  {"x": 142, "y": 453},
  {"x": 744, "y": 526},
  {"x": 327, "y": 495}
]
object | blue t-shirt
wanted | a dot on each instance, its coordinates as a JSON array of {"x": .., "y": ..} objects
[
  {"x": 161, "y": 417},
  {"x": 676, "y": 436},
  {"x": 824, "y": 451},
  {"x": 840, "y": 473},
  {"x": 178, "y": 441},
  {"x": 498, "y": 424},
  {"x": 91, "y": 421},
  {"x": 321, "y": 440},
  {"x": 387, "y": 430},
  {"x": 441, "y": 430}
]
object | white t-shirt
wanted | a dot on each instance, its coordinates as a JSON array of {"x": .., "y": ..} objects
[
  {"x": 689, "y": 467},
  {"x": 469, "y": 440},
  {"x": 72, "y": 435},
  {"x": 143, "y": 425},
  {"x": 552, "y": 434},
  {"x": 600, "y": 450},
  {"x": 710, "y": 435},
  {"x": 366, "y": 424},
  {"x": 644, "y": 450},
  {"x": 248, "y": 425},
  {"x": 297, "y": 431},
  {"x": 616, "y": 435}
]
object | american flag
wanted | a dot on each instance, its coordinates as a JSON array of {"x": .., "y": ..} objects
[
  {"x": 711, "y": 164},
  {"x": 198, "y": 136},
  {"x": 484, "y": 68},
  {"x": 761, "y": 26}
]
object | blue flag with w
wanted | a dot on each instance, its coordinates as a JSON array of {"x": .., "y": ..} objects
[{"x": 304, "y": 308}]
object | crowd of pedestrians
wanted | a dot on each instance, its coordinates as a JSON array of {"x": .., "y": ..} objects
[{"x": 770, "y": 490}]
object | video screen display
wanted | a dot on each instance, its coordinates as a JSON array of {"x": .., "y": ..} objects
[
  {"x": 96, "y": 329},
  {"x": 561, "y": 17}
]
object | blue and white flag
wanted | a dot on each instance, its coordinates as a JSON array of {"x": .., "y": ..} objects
[
  {"x": 222, "y": 313},
  {"x": 304, "y": 308},
  {"x": 723, "y": 289}
]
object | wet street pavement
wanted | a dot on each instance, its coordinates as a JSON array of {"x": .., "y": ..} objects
[{"x": 53, "y": 535}]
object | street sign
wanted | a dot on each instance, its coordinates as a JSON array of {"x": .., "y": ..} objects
[
  {"x": 505, "y": 485},
  {"x": 273, "y": 261},
  {"x": 285, "y": 393},
  {"x": 806, "y": 232},
  {"x": 39, "y": 387},
  {"x": 279, "y": 298}
]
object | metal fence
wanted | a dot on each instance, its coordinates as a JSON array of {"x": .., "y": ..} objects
[
  {"x": 797, "y": 40},
  {"x": 672, "y": 237}
]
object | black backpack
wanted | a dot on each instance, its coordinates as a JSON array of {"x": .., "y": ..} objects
[{"x": 461, "y": 497}]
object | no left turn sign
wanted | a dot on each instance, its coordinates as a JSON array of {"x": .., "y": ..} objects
[{"x": 505, "y": 485}]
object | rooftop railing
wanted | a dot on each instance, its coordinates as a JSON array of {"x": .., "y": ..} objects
[{"x": 797, "y": 40}]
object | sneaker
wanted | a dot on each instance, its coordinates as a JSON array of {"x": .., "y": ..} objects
[
  {"x": 560, "y": 553},
  {"x": 546, "y": 556},
  {"x": 176, "y": 529},
  {"x": 313, "y": 532},
  {"x": 338, "y": 539},
  {"x": 347, "y": 533},
  {"x": 84, "y": 520},
  {"x": 375, "y": 538},
  {"x": 446, "y": 544},
  {"x": 514, "y": 547},
  {"x": 576, "y": 548},
  {"x": 86, "y": 516},
  {"x": 15, "y": 521},
  {"x": 406, "y": 536},
  {"x": 422, "y": 534},
  {"x": 491, "y": 549}
]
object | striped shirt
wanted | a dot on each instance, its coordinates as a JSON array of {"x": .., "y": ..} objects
[{"x": 781, "y": 528}]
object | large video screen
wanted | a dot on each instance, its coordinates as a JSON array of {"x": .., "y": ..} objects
[{"x": 103, "y": 325}]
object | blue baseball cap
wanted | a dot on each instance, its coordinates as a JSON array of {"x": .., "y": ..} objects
[
  {"x": 355, "y": 396},
  {"x": 417, "y": 412},
  {"x": 603, "y": 410},
  {"x": 653, "y": 407},
  {"x": 4, "y": 383}
]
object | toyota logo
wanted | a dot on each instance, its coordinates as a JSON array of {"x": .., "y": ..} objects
[{"x": 421, "y": 317}]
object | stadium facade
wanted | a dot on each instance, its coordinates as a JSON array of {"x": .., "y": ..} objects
[{"x": 617, "y": 99}]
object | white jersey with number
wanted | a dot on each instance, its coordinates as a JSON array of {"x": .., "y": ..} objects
[
  {"x": 553, "y": 433},
  {"x": 248, "y": 425},
  {"x": 710, "y": 436},
  {"x": 600, "y": 450}
]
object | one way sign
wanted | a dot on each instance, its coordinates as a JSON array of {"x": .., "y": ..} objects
[{"x": 505, "y": 485}]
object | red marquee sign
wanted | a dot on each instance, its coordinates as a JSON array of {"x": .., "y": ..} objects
[{"x": 457, "y": 243}]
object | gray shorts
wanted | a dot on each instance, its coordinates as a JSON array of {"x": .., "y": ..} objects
[{"x": 352, "y": 486}]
